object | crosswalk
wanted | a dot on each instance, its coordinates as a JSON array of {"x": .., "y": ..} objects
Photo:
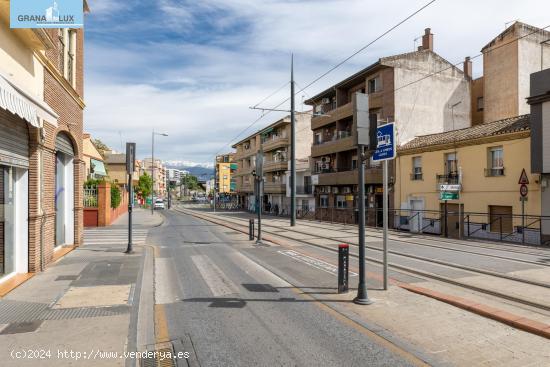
[{"x": 113, "y": 236}]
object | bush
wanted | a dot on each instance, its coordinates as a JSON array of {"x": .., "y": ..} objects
[{"x": 116, "y": 197}]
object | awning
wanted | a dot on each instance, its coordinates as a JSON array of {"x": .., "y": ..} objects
[
  {"x": 97, "y": 168},
  {"x": 24, "y": 105}
]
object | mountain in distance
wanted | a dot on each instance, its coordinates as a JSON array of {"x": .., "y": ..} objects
[{"x": 205, "y": 170}]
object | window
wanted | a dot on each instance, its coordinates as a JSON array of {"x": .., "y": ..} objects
[
  {"x": 323, "y": 201},
  {"x": 495, "y": 162},
  {"x": 479, "y": 104},
  {"x": 341, "y": 202},
  {"x": 354, "y": 162},
  {"x": 374, "y": 85},
  {"x": 225, "y": 177},
  {"x": 417, "y": 168},
  {"x": 318, "y": 138},
  {"x": 451, "y": 164},
  {"x": 305, "y": 205}
]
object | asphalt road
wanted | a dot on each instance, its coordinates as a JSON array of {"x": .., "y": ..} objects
[{"x": 219, "y": 295}]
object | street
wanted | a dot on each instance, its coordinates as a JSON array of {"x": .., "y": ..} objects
[{"x": 236, "y": 312}]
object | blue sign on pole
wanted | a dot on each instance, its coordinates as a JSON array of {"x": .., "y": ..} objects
[
  {"x": 46, "y": 14},
  {"x": 386, "y": 147}
]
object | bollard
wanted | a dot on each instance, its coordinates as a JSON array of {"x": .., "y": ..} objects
[
  {"x": 343, "y": 268},
  {"x": 251, "y": 229}
]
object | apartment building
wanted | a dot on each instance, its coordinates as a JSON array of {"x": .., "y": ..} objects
[
  {"x": 305, "y": 201},
  {"x": 433, "y": 103},
  {"x": 159, "y": 177},
  {"x": 41, "y": 145},
  {"x": 225, "y": 172},
  {"x": 274, "y": 142}
]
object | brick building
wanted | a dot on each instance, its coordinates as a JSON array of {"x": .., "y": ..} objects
[{"x": 41, "y": 144}]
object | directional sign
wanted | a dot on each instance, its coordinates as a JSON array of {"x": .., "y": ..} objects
[
  {"x": 385, "y": 149},
  {"x": 445, "y": 195},
  {"x": 445, "y": 187},
  {"x": 523, "y": 190},
  {"x": 523, "y": 179}
]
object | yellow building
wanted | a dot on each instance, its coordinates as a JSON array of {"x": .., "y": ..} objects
[
  {"x": 225, "y": 169},
  {"x": 483, "y": 165}
]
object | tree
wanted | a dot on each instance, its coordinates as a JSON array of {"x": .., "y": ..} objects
[
  {"x": 100, "y": 146},
  {"x": 145, "y": 185},
  {"x": 116, "y": 197},
  {"x": 190, "y": 182}
]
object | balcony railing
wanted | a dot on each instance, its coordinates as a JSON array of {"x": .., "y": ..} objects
[
  {"x": 343, "y": 134},
  {"x": 494, "y": 172},
  {"x": 304, "y": 190},
  {"x": 416, "y": 177},
  {"x": 449, "y": 179}
]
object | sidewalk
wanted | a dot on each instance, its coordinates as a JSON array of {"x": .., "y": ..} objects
[
  {"x": 83, "y": 309},
  {"x": 438, "y": 330}
]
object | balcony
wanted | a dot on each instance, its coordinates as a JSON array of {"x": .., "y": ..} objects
[
  {"x": 273, "y": 166},
  {"x": 348, "y": 177},
  {"x": 416, "y": 177},
  {"x": 340, "y": 143},
  {"x": 494, "y": 172},
  {"x": 304, "y": 190},
  {"x": 338, "y": 113},
  {"x": 448, "y": 179},
  {"x": 274, "y": 142},
  {"x": 274, "y": 187}
]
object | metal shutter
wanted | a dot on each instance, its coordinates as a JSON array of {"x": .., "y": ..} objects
[
  {"x": 14, "y": 140},
  {"x": 64, "y": 144}
]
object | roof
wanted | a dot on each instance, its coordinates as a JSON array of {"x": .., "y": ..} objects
[
  {"x": 119, "y": 158},
  {"x": 387, "y": 61},
  {"x": 495, "y": 128},
  {"x": 281, "y": 121},
  {"x": 516, "y": 26}
]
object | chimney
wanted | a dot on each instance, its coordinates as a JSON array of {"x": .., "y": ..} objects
[
  {"x": 428, "y": 40},
  {"x": 467, "y": 68}
]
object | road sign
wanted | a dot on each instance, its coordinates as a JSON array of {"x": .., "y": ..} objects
[
  {"x": 523, "y": 179},
  {"x": 366, "y": 129},
  {"x": 448, "y": 195},
  {"x": 445, "y": 187},
  {"x": 523, "y": 190},
  {"x": 385, "y": 149},
  {"x": 130, "y": 157}
]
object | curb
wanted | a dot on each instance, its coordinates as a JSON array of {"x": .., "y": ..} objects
[{"x": 518, "y": 322}]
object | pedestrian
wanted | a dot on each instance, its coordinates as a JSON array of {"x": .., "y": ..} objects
[
  {"x": 268, "y": 207},
  {"x": 276, "y": 209}
]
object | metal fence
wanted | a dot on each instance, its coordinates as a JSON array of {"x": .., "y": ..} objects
[{"x": 90, "y": 197}]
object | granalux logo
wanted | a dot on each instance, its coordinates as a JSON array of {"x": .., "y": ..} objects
[{"x": 46, "y": 14}]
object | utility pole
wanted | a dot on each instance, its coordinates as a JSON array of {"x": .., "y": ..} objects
[
  {"x": 258, "y": 177},
  {"x": 292, "y": 147},
  {"x": 130, "y": 166},
  {"x": 153, "y": 167},
  {"x": 385, "y": 199}
]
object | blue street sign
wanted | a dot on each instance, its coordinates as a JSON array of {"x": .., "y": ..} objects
[{"x": 386, "y": 148}]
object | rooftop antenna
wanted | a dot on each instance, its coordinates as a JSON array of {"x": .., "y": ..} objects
[{"x": 414, "y": 42}]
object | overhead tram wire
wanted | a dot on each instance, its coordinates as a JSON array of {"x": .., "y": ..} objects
[{"x": 268, "y": 110}]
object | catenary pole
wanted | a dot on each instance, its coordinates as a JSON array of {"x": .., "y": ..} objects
[
  {"x": 153, "y": 171},
  {"x": 292, "y": 147},
  {"x": 362, "y": 297}
]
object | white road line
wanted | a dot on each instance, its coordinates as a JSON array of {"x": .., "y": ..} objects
[
  {"x": 166, "y": 287},
  {"x": 316, "y": 263},
  {"x": 257, "y": 272},
  {"x": 217, "y": 281}
]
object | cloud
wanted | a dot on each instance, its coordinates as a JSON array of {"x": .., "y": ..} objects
[{"x": 192, "y": 69}]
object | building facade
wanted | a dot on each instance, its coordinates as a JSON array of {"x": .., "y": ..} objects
[
  {"x": 439, "y": 102},
  {"x": 225, "y": 174},
  {"x": 41, "y": 160},
  {"x": 480, "y": 168},
  {"x": 305, "y": 201},
  {"x": 274, "y": 142},
  {"x": 159, "y": 178}
]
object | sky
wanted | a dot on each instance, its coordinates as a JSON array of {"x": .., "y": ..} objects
[{"x": 192, "y": 69}]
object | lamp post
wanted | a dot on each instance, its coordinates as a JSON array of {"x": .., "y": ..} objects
[{"x": 153, "y": 168}]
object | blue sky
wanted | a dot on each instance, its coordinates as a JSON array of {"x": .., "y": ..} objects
[{"x": 191, "y": 69}]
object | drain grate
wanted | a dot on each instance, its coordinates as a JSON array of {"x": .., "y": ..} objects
[{"x": 160, "y": 359}]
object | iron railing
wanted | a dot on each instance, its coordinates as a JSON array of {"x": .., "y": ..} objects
[{"x": 90, "y": 197}]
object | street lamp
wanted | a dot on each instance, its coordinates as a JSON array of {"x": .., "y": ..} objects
[{"x": 153, "y": 167}]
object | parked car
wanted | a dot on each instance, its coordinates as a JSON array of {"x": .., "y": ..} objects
[{"x": 159, "y": 204}]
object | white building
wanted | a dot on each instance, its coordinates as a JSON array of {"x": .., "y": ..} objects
[{"x": 305, "y": 200}]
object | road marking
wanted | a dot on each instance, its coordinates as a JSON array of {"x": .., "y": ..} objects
[
  {"x": 217, "y": 281},
  {"x": 166, "y": 288},
  {"x": 256, "y": 271},
  {"x": 314, "y": 262}
]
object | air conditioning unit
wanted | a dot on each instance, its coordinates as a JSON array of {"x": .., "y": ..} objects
[
  {"x": 346, "y": 190},
  {"x": 325, "y": 159},
  {"x": 325, "y": 166},
  {"x": 325, "y": 101},
  {"x": 335, "y": 190}
]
